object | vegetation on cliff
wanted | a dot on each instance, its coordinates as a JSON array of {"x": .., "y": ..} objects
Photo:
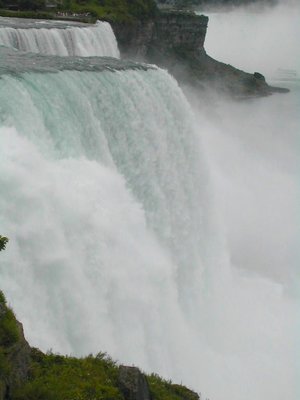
[
  {"x": 114, "y": 10},
  {"x": 3, "y": 242},
  {"x": 110, "y": 10},
  {"x": 55, "y": 377},
  {"x": 51, "y": 376},
  {"x": 29, "y": 374},
  {"x": 9, "y": 336}
]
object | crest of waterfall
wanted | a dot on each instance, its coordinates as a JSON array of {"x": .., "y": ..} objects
[{"x": 62, "y": 39}]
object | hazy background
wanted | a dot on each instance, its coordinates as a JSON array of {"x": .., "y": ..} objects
[{"x": 253, "y": 153}]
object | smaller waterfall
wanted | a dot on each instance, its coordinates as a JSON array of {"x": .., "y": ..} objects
[{"x": 64, "y": 40}]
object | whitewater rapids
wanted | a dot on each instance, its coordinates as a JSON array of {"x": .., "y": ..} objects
[{"x": 123, "y": 234}]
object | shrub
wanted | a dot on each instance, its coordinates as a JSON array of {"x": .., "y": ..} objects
[
  {"x": 54, "y": 376},
  {"x": 3, "y": 242},
  {"x": 9, "y": 331}
]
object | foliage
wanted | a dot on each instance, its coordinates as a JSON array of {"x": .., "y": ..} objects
[
  {"x": 23, "y": 4},
  {"x": 54, "y": 377},
  {"x": 26, "y": 14},
  {"x": 4, "y": 365},
  {"x": 9, "y": 332},
  {"x": 110, "y": 10},
  {"x": 2, "y": 298},
  {"x": 3, "y": 242},
  {"x": 165, "y": 390},
  {"x": 9, "y": 335},
  {"x": 113, "y": 10}
]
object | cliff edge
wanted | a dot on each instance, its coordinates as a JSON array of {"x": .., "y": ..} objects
[
  {"x": 28, "y": 374},
  {"x": 14, "y": 352},
  {"x": 175, "y": 40}
]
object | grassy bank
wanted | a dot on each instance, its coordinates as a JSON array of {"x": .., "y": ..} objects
[
  {"x": 84, "y": 10},
  {"x": 52, "y": 377}
]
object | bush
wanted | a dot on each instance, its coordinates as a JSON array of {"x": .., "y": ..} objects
[
  {"x": 9, "y": 331},
  {"x": 54, "y": 376},
  {"x": 165, "y": 390},
  {"x": 3, "y": 242}
]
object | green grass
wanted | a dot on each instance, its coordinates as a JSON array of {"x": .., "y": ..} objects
[
  {"x": 162, "y": 389},
  {"x": 60, "y": 377},
  {"x": 9, "y": 335},
  {"x": 9, "y": 331},
  {"x": 113, "y": 10},
  {"x": 109, "y": 10},
  {"x": 57, "y": 377},
  {"x": 26, "y": 14}
]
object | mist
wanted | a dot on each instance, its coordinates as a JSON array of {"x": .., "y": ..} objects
[
  {"x": 252, "y": 149},
  {"x": 256, "y": 38},
  {"x": 162, "y": 234}
]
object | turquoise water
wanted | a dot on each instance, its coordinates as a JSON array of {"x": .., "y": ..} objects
[
  {"x": 59, "y": 37},
  {"x": 144, "y": 227},
  {"x": 104, "y": 199}
]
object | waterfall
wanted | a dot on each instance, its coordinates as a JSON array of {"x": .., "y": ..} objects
[
  {"x": 103, "y": 194},
  {"x": 62, "y": 40},
  {"x": 115, "y": 240}
]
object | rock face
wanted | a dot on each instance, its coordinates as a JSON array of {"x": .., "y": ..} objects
[
  {"x": 133, "y": 384},
  {"x": 14, "y": 353},
  {"x": 166, "y": 32},
  {"x": 175, "y": 41},
  {"x": 27, "y": 373}
]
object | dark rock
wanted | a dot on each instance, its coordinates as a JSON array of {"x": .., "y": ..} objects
[
  {"x": 19, "y": 358},
  {"x": 258, "y": 75},
  {"x": 275, "y": 89},
  {"x": 178, "y": 29},
  {"x": 133, "y": 384},
  {"x": 165, "y": 32},
  {"x": 175, "y": 41}
]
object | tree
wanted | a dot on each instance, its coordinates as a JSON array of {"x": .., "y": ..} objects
[{"x": 3, "y": 242}]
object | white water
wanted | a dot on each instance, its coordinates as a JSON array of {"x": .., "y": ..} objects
[
  {"x": 119, "y": 243},
  {"x": 104, "y": 200},
  {"x": 253, "y": 153},
  {"x": 262, "y": 135},
  {"x": 64, "y": 40}
]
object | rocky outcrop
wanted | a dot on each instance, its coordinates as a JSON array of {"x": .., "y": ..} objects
[
  {"x": 173, "y": 30},
  {"x": 14, "y": 352},
  {"x": 29, "y": 374},
  {"x": 175, "y": 41},
  {"x": 133, "y": 384},
  {"x": 164, "y": 33}
]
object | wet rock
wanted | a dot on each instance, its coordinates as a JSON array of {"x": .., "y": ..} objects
[{"x": 133, "y": 384}]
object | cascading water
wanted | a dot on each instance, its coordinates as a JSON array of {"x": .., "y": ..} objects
[
  {"x": 106, "y": 199},
  {"x": 103, "y": 198},
  {"x": 62, "y": 39}
]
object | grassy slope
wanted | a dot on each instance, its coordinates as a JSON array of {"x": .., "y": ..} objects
[
  {"x": 110, "y": 10},
  {"x": 56, "y": 377},
  {"x": 9, "y": 335},
  {"x": 116, "y": 10}
]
